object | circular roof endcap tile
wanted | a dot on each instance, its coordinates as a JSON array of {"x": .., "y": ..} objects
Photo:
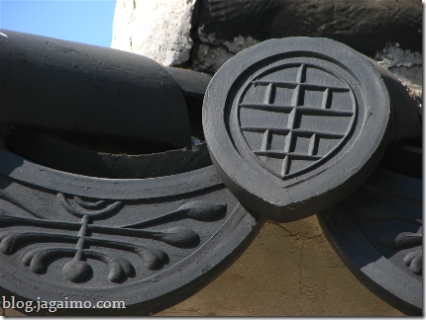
[{"x": 295, "y": 125}]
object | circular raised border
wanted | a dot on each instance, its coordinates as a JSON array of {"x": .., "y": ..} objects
[
  {"x": 370, "y": 262},
  {"x": 157, "y": 292},
  {"x": 257, "y": 75},
  {"x": 322, "y": 188}
]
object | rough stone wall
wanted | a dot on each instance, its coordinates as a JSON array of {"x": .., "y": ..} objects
[
  {"x": 182, "y": 32},
  {"x": 407, "y": 66},
  {"x": 146, "y": 27}
]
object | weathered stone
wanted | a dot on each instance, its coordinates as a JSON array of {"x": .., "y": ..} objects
[
  {"x": 221, "y": 29},
  {"x": 359, "y": 25},
  {"x": 407, "y": 66},
  {"x": 159, "y": 30},
  {"x": 210, "y": 59}
]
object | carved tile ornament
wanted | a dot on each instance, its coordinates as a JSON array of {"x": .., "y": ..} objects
[
  {"x": 379, "y": 235},
  {"x": 293, "y": 126},
  {"x": 148, "y": 229},
  {"x": 299, "y": 123},
  {"x": 300, "y": 94},
  {"x": 138, "y": 240}
]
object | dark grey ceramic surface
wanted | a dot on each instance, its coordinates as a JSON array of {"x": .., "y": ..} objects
[
  {"x": 54, "y": 153},
  {"x": 378, "y": 233},
  {"x": 73, "y": 87},
  {"x": 148, "y": 242},
  {"x": 295, "y": 125}
]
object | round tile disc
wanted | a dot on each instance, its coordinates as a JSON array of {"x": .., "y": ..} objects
[
  {"x": 295, "y": 125},
  {"x": 378, "y": 232},
  {"x": 141, "y": 244}
]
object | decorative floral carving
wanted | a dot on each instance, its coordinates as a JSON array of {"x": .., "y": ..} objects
[
  {"x": 395, "y": 238},
  {"x": 78, "y": 269}
]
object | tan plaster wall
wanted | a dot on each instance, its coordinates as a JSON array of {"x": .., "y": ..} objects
[{"x": 290, "y": 269}]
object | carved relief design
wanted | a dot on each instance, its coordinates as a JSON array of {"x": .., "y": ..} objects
[
  {"x": 309, "y": 112},
  {"x": 395, "y": 238},
  {"x": 78, "y": 269}
]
